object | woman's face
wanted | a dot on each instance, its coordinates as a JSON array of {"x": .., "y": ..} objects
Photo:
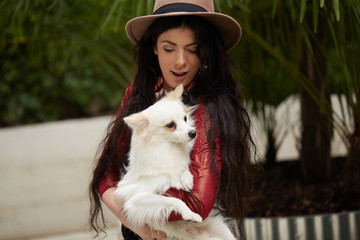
[{"x": 176, "y": 49}]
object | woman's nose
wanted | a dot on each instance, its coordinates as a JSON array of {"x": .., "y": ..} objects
[{"x": 181, "y": 59}]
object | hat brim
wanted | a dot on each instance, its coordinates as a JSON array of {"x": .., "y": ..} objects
[{"x": 227, "y": 27}]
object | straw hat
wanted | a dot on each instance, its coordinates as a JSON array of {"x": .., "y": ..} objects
[{"x": 227, "y": 27}]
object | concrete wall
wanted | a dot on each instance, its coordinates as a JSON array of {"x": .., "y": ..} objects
[{"x": 44, "y": 176}]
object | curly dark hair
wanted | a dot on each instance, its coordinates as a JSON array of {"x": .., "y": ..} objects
[{"x": 214, "y": 87}]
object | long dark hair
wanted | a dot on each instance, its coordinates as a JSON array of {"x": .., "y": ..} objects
[{"x": 215, "y": 87}]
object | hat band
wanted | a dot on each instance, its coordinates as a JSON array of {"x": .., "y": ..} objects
[{"x": 179, "y": 7}]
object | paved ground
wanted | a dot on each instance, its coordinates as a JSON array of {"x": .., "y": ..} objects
[{"x": 113, "y": 234}]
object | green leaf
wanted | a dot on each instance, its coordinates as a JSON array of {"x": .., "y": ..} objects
[
  {"x": 118, "y": 16},
  {"x": 140, "y": 8},
  {"x": 302, "y": 10},
  {"x": 292, "y": 10},
  {"x": 111, "y": 12},
  {"x": 322, "y": 3},
  {"x": 336, "y": 9},
  {"x": 230, "y": 3},
  {"x": 315, "y": 14},
  {"x": 275, "y": 4},
  {"x": 149, "y": 6}
]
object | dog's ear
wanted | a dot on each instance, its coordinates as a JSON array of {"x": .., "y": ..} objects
[
  {"x": 138, "y": 122},
  {"x": 190, "y": 109},
  {"x": 177, "y": 93}
]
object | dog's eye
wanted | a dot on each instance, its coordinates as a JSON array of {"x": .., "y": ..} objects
[
  {"x": 185, "y": 118},
  {"x": 171, "y": 125}
]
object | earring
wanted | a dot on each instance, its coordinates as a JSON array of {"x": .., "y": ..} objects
[{"x": 203, "y": 68}]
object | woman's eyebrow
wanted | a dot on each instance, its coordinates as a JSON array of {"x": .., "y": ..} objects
[
  {"x": 166, "y": 41},
  {"x": 192, "y": 44},
  {"x": 171, "y": 43}
]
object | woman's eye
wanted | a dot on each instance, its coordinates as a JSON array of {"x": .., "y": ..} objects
[
  {"x": 171, "y": 125},
  {"x": 168, "y": 50}
]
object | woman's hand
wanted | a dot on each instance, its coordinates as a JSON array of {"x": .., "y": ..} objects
[{"x": 145, "y": 232}]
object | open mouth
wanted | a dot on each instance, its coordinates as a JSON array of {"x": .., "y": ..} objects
[{"x": 179, "y": 74}]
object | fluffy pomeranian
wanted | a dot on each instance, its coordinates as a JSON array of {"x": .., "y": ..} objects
[{"x": 162, "y": 139}]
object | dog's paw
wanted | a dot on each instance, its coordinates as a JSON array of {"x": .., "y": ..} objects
[
  {"x": 191, "y": 216},
  {"x": 187, "y": 181}
]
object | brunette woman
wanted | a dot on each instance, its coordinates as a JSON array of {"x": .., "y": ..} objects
[{"x": 184, "y": 42}]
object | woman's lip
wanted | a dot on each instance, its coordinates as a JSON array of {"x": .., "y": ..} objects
[{"x": 179, "y": 74}]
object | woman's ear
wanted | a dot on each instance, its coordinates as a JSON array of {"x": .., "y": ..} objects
[{"x": 155, "y": 51}]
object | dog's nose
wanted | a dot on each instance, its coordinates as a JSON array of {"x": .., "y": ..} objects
[{"x": 192, "y": 134}]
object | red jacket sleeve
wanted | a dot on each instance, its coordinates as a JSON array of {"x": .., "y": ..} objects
[
  {"x": 110, "y": 178},
  {"x": 205, "y": 178}
]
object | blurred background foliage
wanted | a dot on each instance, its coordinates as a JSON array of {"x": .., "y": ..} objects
[
  {"x": 57, "y": 64},
  {"x": 69, "y": 59}
]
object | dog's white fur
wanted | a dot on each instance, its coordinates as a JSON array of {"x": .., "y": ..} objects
[{"x": 159, "y": 158}]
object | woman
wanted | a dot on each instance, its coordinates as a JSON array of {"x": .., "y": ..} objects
[{"x": 184, "y": 42}]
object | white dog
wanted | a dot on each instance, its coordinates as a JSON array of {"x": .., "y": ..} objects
[{"x": 159, "y": 158}]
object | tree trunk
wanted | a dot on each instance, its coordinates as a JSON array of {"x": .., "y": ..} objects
[
  {"x": 316, "y": 126},
  {"x": 352, "y": 168},
  {"x": 271, "y": 149}
]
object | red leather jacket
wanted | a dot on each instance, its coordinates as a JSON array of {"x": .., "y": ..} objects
[{"x": 205, "y": 179}]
